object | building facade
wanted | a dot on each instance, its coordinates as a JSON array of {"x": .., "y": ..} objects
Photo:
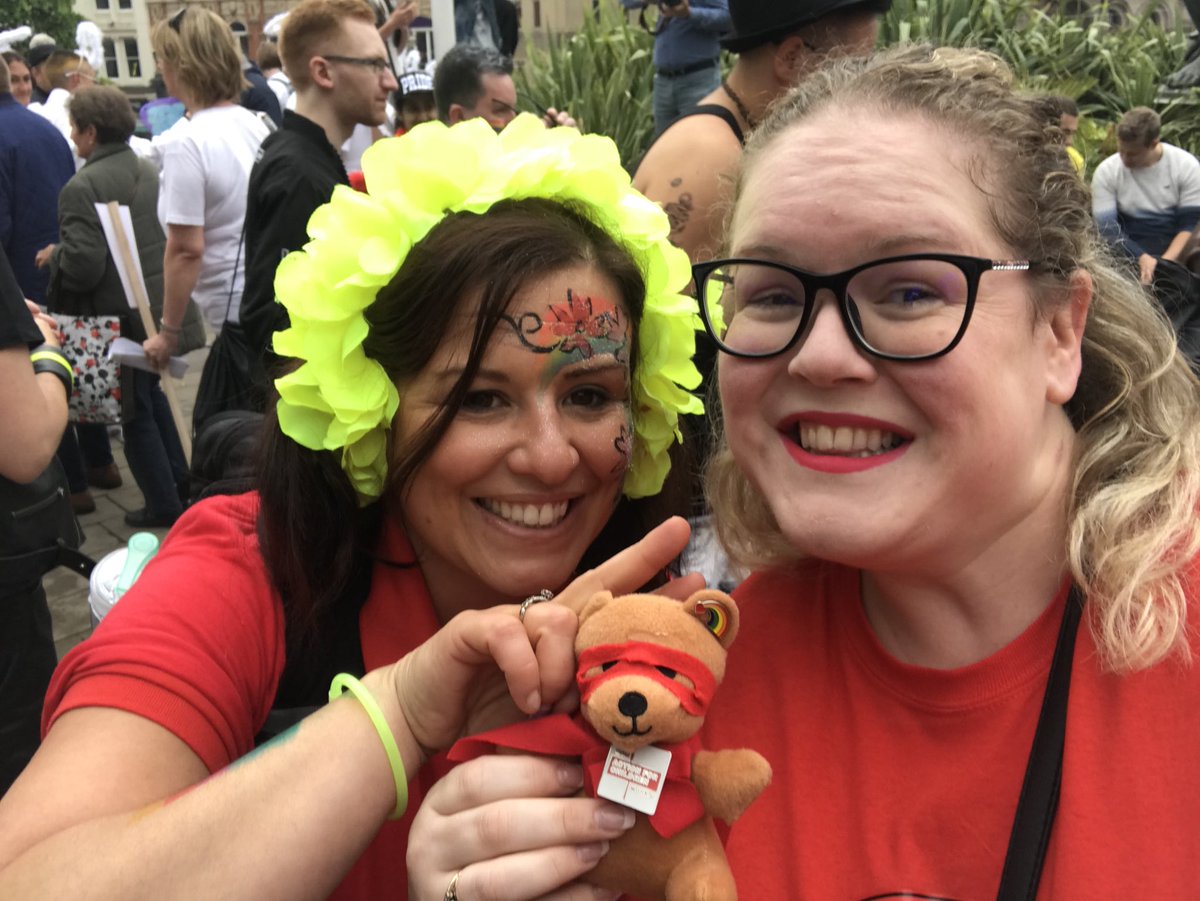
[{"x": 126, "y": 24}]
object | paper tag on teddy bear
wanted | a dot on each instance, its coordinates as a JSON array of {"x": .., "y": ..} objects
[{"x": 635, "y": 780}]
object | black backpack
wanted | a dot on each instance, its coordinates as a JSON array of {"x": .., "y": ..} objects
[{"x": 224, "y": 455}]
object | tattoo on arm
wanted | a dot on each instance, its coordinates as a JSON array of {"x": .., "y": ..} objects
[{"x": 679, "y": 211}]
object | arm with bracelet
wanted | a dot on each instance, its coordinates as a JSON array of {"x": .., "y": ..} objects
[
  {"x": 289, "y": 819},
  {"x": 33, "y": 404}
]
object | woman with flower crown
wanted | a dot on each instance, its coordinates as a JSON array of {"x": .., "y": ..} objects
[{"x": 491, "y": 348}]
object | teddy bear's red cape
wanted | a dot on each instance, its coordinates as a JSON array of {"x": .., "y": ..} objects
[{"x": 560, "y": 735}]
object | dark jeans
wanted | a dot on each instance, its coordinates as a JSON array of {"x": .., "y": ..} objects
[
  {"x": 153, "y": 449},
  {"x": 27, "y": 660},
  {"x": 84, "y": 446}
]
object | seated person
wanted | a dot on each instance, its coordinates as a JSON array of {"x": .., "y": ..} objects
[{"x": 1146, "y": 197}]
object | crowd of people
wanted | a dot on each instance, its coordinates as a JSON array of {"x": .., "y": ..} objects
[{"x": 942, "y": 423}]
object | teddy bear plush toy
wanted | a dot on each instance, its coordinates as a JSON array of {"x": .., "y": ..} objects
[{"x": 647, "y": 669}]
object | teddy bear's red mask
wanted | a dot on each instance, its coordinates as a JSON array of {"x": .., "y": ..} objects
[{"x": 683, "y": 675}]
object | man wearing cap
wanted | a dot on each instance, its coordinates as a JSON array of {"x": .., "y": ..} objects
[
  {"x": 339, "y": 69},
  {"x": 686, "y": 53},
  {"x": 36, "y": 60},
  {"x": 689, "y": 168}
]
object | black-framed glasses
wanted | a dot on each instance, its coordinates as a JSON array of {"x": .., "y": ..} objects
[
  {"x": 913, "y": 307},
  {"x": 377, "y": 64}
]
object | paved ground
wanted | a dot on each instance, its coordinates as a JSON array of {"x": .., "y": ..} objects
[{"x": 105, "y": 530}]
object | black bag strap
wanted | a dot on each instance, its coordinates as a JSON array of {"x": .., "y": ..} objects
[
  {"x": 1038, "y": 803},
  {"x": 47, "y": 559},
  {"x": 233, "y": 278}
]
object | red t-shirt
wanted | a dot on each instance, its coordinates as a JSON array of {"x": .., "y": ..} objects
[
  {"x": 197, "y": 646},
  {"x": 892, "y": 779}
]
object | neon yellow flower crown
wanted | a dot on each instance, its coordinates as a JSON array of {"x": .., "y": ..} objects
[{"x": 341, "y": 399}]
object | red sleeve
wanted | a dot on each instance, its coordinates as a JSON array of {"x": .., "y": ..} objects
[{"x": 197, "y": 645}]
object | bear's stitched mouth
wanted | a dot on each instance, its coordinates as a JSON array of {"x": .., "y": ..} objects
[{"x": 633, "y": 730}]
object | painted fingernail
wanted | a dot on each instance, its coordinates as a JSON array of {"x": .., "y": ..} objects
[
  {"x": 570, "y": 775},
  {"x": 534, "y": 700},
  {"x": 612, "y": 817},
  {"x": 591, "y": 852}
]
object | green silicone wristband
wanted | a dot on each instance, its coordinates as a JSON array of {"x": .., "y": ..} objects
[{"x": 343, "y": 682}]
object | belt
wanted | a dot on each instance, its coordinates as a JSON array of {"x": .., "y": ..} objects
[{"x": 686, "y": 70}]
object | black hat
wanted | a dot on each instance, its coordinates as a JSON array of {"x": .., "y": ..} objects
[
  {"x": 39, "y": 54},
  {"x": 757, "y": 22},
  {"x": 415, "y": 83}
]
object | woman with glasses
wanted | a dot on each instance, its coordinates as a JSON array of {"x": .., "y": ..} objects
[
  {"x": 205, "y": 170},
  {"x": 956, "y": 438},
  {"x": 961, "y": 454}
]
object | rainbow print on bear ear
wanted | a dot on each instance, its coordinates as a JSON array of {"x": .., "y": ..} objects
[{"x": 341, "y": 400}]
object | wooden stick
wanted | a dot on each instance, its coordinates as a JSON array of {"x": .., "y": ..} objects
[{"x": 143, "y": 305}]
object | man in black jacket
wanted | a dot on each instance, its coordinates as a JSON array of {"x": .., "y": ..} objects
[{"x": 339, "y": 69}]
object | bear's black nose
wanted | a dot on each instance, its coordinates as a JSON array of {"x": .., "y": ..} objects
[{"x": 632, "y": 703}]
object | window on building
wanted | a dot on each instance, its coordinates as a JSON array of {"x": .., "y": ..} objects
[
  {"x": 101, "y": 4},
  {"x": 133, "y": 64},
  {"x": 111, "y": 68},
  {"x": 537, "y": 14},
  {"x": 124, "y": 4}
]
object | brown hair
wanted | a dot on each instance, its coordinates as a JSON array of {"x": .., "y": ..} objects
[
  {"x": 10, "y": 57},
  {"x": 107, "y": 109},
  {"x": 201, "y": 48},
  {"x": 466, "y": 258},
  {"x": 310, "y": 27},
  {"x": 1140, "y": 126},
  {"x": 268, "y": 55},
  {"x": 61, "y": 65},
  {"x": 1132, "y": 514}
]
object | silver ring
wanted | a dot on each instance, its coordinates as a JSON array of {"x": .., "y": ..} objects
[
  {"x": 544, "y": 595},
  {"x": 452, "y": 888}
]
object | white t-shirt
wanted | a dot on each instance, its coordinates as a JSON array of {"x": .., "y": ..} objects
[
  {"x": 282, "y": 86},
  {"x": 206, "y": 168},
  {"x": 360, "y": 139}
]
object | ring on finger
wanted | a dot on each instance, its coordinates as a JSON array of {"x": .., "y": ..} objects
[
  {"x": 452, "y": 888},
  {"x": 544, "y": 595}
]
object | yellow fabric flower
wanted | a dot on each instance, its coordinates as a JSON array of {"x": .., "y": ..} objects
[{"x": 339, "y": 399}]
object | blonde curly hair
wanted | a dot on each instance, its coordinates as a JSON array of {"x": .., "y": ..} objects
[{"x": 1132, "y": 512}]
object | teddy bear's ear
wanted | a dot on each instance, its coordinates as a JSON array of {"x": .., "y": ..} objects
[
  {"x": 717, "y": 611},
  {"x": 596, "y": 602}
]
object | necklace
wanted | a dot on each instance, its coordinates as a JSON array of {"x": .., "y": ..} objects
[{"x": 737, "y": 101}]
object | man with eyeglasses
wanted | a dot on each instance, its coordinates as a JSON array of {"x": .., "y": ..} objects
[
  {"x": 474, "y": 82},
  {"x": 66, "y": 73},
  {"x": 339, "y": 68},
  {"x": 688, "y": 167}
]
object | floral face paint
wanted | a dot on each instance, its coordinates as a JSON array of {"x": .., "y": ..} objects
[{"x": 579, "y": 328}]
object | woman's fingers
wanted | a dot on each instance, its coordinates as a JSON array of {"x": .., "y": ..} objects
[
  {"x": 551, "y": 628},
  {"x": 541, "y": 874},
  {"x": 439, "y": 686},
  {"x": 633, "y": 567},
  {"x": 503, "y": 824}
]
